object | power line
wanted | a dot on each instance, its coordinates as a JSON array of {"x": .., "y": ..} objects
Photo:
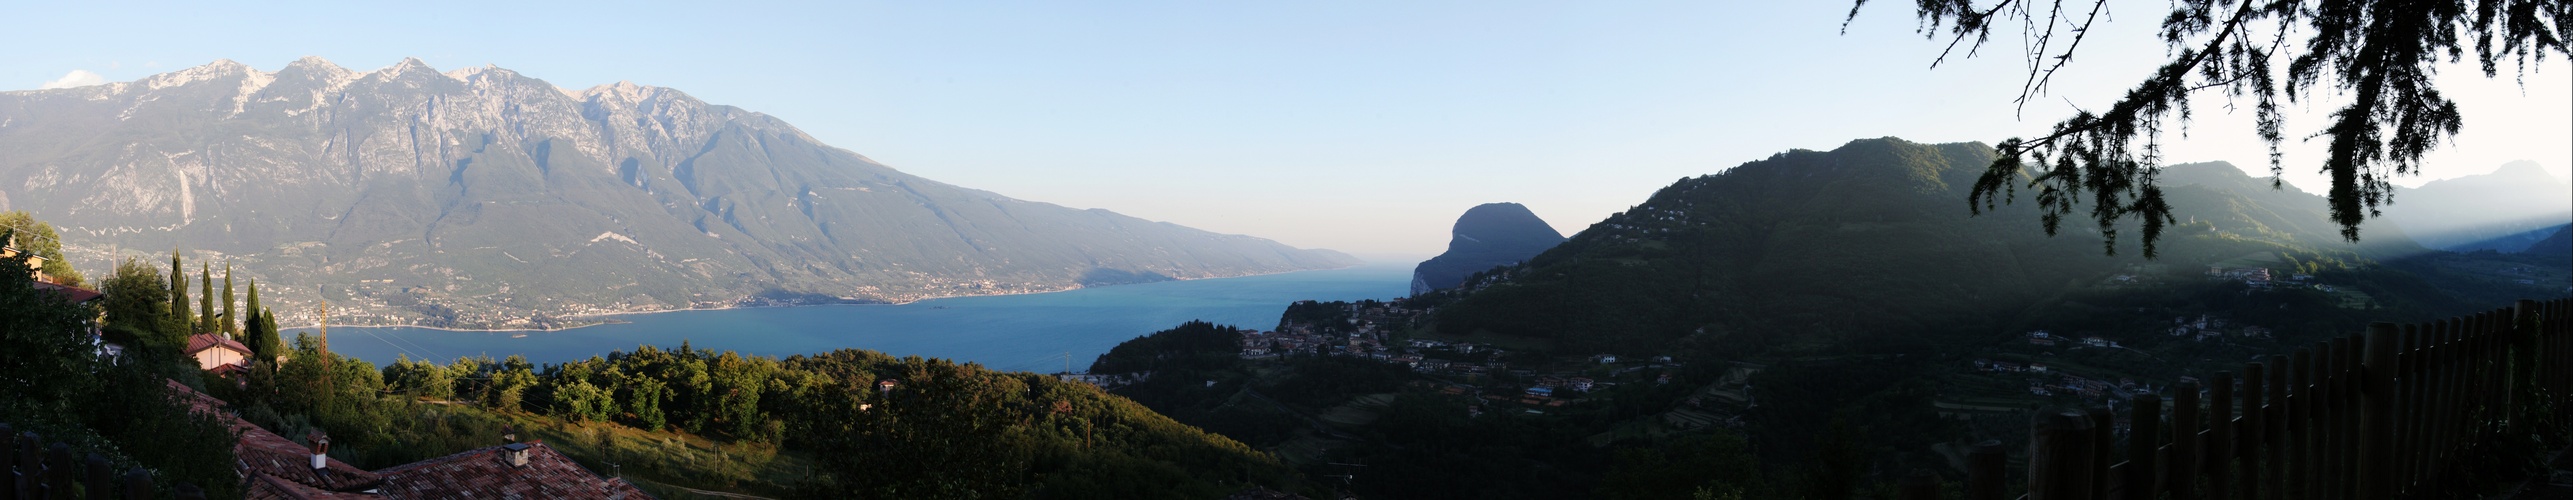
[{"x": 380, "y": 338}]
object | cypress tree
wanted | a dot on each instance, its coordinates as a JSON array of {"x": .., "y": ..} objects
[
  {"x": 180, "y": 318},
  {"x": 250, "y": 327},
  {"x": 205, "y": 299},
  {"x": 270, "y": 343},
  {"x": 231, "y": 321}
]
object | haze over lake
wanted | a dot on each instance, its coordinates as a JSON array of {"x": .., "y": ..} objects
[{"x": 1013, "y": 332}]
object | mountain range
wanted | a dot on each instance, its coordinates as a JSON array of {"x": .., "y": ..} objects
[
  {"x": 2507, "y": 210},
  {"x": 483, "y": 198}
]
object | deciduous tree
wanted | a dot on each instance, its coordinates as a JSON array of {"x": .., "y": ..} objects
[{"x": 37, "y": 237}]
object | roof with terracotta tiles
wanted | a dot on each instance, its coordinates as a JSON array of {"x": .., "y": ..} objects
[
  {"x": 278, "y": 468},
  {"x": 74, "y": 294},
  {"x": 203, "y": 341},
  {"x": 266, "y": 452},
  {"x": 267, "y": 487},
  {"x": 487, "y": 473}
]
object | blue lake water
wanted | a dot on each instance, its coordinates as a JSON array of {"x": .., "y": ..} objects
[{"x": 1014, "y": 332}]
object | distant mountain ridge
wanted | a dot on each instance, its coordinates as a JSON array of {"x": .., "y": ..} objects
[
  {"x": 1488, "y": 235},
  {"x": 2506, "y": 210},
  {"x": 1863, "y": 245},
  {"x": 2559, "y": 244},
  {"x": 484, "y": 198}
]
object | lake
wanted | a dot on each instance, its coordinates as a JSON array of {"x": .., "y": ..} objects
[{"x": 1031, "y": 332}]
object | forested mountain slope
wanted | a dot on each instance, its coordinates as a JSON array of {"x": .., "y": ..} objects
[{"x": 1870, "y": 244}]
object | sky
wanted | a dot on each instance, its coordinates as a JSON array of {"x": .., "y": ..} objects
[{"x": 1361, "y": 126}]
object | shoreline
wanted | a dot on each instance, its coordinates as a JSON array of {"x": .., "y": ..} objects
[{"x": 728, "y": 308}]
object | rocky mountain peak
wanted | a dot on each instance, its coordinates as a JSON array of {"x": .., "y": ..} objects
[
  {"x": 1487, "y": 236},
  {"x": 217, "y": 70},
  {"x": 316, "y": 68},
  {"x": 2526, "y": 171},
  {"x": 408, "y": 65},
  {"x": 622, "y": 92}
]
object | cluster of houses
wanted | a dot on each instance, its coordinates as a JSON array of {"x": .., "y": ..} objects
[
  {"x": 2257, "y": 277},
  {"x": 1364, "y": 331},
  {"x": 1370, "y": 344},
  {"x": 2206, "y": 327},
  {"x": 2050, "y": 339},
  {"x": 2200, "y": 329},
  {"x": 2047, "y": 383},
  {"x": 1998, "y": 366}
]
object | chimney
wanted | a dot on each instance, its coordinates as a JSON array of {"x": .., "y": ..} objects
[
  {"x": 515, "y": 453},
  {"x": 321, "y": 449}
]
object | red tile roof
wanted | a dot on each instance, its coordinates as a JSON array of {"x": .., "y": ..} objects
[
  {"x": 486, "y": 473},
  {"x": 203, "y": 341},
  {"x": 76, "y": 294},
  {"x": 267, "y": 453},
  {"x": 267, "y": 487},
  {"x": 263, "y": 453},
  {"x": 278, "y": 468}
]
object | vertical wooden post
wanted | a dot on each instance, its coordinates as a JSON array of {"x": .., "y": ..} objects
[
  {"x": 30, "y": 457},
  {"x": 2059, "y": 456},
  {"x": 2408, "y": 418},
  {"x": 2548, "y": 345},
  {"x": 2275, "y": 450},
  {"x": 8, "y": 462},
  {"x": 97, "y": 479},
  {"x": 2219, "y": 444},
  {"x": 2481, "y": 359},
  {"x": 1921, "y": 485},
  {"x": 2300, "y": 429},
  {"x": 138, "y": 484},
  {"x": 59, "y": 479},
  {"x": 1984, "y": 471},
  {"x": 2183, "y": 471},
  {"x": 2353, "y": 414},
  {"x": 2250, "y": 437},
  {"x": 2143, "y": 443},
  {"x": 2344, "y": 430},
  {"x": 2103, "y": 448},
  {"x": 2523, "y": 361},
  {"x": 2453, "y": 370},
  {"x": 2376, "y": 445}
]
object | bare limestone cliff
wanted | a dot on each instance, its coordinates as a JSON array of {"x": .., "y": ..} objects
[{"x": 484, "y": 198}]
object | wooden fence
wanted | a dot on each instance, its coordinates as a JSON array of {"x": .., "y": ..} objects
[
  {"x": 2378, "y": 415},
  {"x": 37, "y": 471}
]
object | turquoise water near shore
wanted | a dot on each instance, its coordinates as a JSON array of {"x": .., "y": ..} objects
[{"x": 1013, "y": 332}]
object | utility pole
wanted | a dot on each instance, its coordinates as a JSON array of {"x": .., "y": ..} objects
[
  {"x": 325, "y": 345},
  {"x": 323, "y": 348}
]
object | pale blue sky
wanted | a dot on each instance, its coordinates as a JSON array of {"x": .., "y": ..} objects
[{"x": 1360, "y": 126}]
